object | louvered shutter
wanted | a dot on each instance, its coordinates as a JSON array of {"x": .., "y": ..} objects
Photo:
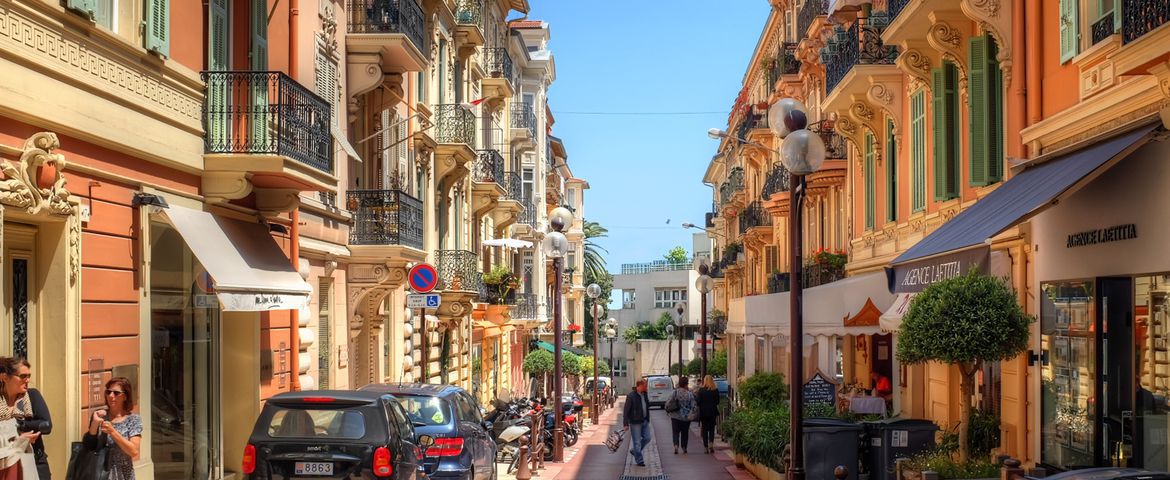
[
  {"x": 1070, "y": 31},
  {"x": 891, "y": 172},
  {"x": 218, "y": 87},
  {"x": 258, "y": 60},
  {"x": 938, "y": 106},
  {"x": 158, "y": 27},
  {"x": 324, "y": 342},
  {"x": 258, "y": 55},
  {"x": 951, "y": 99},
  {"x": 918, "y": 149},
  {"x": 869, "y": 181},
  {"x": 996, "y": 130},
  {"x": 978, "y": 110},
  {"x": 400, "y": 152},
  {"x": 385, "y": 181},
  {"x": 89, "y": 8}
]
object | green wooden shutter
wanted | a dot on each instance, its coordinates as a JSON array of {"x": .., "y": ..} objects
[
  {"x": 258, "y": 61},
  {"x": 951, "y": 78},
  {"x": 1070, "y": 31},
  {"x": 996, "y": 130},
  {"x": 946, "y": 132},
  {"x": 258, "y": 55},
  {"x": 218, "y": 35},
  {"x": 918, "y": 150},
  {"x": 891, "y": 172},
  {"x": 89, "y": 8},
  {"x": 978, "y": 111},
  {"x": 218, "y": 88},
  {"x": 158, "y": 27},
  {"x": 869, "y": 181},
  {"x": 938, "y": 106}
]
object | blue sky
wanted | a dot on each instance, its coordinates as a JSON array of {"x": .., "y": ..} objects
[{"x": 646, "y": 56}]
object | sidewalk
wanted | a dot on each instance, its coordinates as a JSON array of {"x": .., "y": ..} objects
[
  {"x": 588, "y": 458},
  {"x": 694, "y": 464}
]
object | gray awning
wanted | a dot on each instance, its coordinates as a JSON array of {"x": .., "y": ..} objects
[
  {"x": 250, "y": 271},
  {"x": 1031, "y": 190}
]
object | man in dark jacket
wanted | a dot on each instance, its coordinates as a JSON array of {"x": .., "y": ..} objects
[{"x": 636, "y": 414}]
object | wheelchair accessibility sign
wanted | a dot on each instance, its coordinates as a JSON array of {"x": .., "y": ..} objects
[{"x": 430, "y": 300}]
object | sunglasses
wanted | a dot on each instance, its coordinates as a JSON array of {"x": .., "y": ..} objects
[
  {"x": 24, "y": 376},
  {"x": 116, "y": 393}
]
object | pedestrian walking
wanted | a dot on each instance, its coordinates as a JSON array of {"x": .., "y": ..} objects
[
  {"x": 708, "y": 400},
  {"x": 123, "y": 428},
  {"x": 636, "y": 419},
  {"x": 682, "y": 410},
  {"x": 28, "y": 407}
]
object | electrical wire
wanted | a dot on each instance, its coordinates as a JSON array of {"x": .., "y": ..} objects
[{"x": 637, "y": 113}]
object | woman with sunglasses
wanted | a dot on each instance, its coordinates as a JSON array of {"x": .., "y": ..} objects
[
  {"x": 123, "y": 428},
  {"x": 28, "y": 407}
]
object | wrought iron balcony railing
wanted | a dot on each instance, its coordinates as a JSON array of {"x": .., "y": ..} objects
[
  {"x": 894, "y": 7},
  {"x": 785, "y": 64},
  {"x": 498, "y": 63},
  {"x": 459, "y": 270},
  {"x": 469, "y": 12},
  {"x": 489, "y": 167},
  {"x": 860, "y": 44},
  {"x": 733, "y": 185},
  {"x": 524, "y": 117},
  {"x": 777, "y": 182},
  {"x": 778, "y": 282},
  {"x": 1141, "y": 17},
  {"x": 385, "y": 217},
  {"x": 266, "y": 113},
  {"x": 388, "y": 16},
  {"x": 528, "y": 216},
  {"x": 514, "y": 186},
  {"x": 835, "y": 147},
  {"x": 1103, "y": 28},
  {"x": 809, "y": 12},
  {"x": 816, "y": 274},
  {"x": 751, "y": 122},
  {"x": 754, "y": 216},
  {"x": 525, "y": 307},
  {"x": 454, "y": 124}
]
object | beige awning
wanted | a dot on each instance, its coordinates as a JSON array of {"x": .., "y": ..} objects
[
  {"x": 343, "y": 142},
  {"x": 892, "y": 318},
  {"x": 250, "y": 271}
]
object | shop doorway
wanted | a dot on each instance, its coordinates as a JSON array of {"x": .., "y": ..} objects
[{"x": 21, "y": 291}]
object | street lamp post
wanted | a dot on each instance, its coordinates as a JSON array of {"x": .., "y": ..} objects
[
  {"x": 680, "y": 307},
  {"x": 556, "y": 246},
  {"x": 703, "y": 284},
  {"x": 669, "y": 340},
  {"x": 594, "y": 291}
]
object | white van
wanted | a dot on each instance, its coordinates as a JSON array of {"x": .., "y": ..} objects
[{"x": 658, "y": 389}]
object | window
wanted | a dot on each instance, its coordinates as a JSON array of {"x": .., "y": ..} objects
[
  {"x": 918, "y": 151},
  {"x": 298, "y": 423},
  {"x": 985, "y": 112},
  {"x": 891, "y": 172},
  {"x": 528, "y": 182},
  {"x": 629, "y": 298},
  {"x": 571, "y": 198},
  {"x": 667, "y": 297},
  {"x": 442, "y": 71},
  {"x": 945, "y": 84},
  {"x": 528, "y": 263},
  {"x": 869, "y": 180},
  {"x": 1070, "y": 29},
  {"x": 324, "y": 319},
  {"x": 572, "y": 261}
]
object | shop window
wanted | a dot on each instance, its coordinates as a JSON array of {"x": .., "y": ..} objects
[
  {"x": 1151, "y": 349},
  {"x": 1069, "y": 379}
]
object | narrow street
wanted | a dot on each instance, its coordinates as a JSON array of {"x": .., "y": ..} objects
[{"x": 590, "y": 459}]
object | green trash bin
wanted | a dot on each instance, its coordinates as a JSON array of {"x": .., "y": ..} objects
[
  {"x": 889, "y": 440},
  {"x": 828, "y": 443}
]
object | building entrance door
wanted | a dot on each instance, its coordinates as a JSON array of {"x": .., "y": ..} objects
[
  {"x": 1115, "y": 434},
  {"x": 20, "y": 291}
]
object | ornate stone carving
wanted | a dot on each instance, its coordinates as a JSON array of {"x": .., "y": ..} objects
[
  {"x": 74, "y": 249},
  {"x": 916, "y": 63},
  {"x": 19, "y": 188},
  {"x": 861, "y": 111},
  {"x": 997, "y": 21},
  {"x": 328, "y": 33}
]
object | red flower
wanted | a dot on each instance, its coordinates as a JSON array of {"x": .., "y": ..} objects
[{"x": 573, "y": 327}]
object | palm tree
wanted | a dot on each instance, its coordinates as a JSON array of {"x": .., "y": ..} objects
[{"x": 594, "y": 261}]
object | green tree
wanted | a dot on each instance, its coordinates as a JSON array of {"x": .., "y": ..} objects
[
  {"x": 648, "y": 330},
  {"x": 717, "y": 364},
  {"x": 964, "y": 321},
  {"x": 538, "y": 362},
  {"x": 594, "y": 261},
  {"x": 571, "y": 364},
  {"x": 678, "y": 254},
  {"x": 606, "y": 284}
]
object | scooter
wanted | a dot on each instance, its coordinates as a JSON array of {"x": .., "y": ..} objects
[{"x": 508, "y": 443}]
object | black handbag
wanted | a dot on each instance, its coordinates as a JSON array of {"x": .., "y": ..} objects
[{"x": 89, "y": 459}]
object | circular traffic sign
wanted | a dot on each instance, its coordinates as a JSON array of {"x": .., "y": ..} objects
[{"x": 422, "y": 278}]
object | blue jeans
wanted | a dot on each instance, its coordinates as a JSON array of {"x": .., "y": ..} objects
[{"x": 639, "y": 437}]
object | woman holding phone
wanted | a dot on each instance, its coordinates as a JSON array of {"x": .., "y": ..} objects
[{"x": 121, "y": 426}]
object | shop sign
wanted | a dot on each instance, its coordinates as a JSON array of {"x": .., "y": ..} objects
[
  {"x": 819, "y": 389},
  {"x": 1115, "y": 233},
  {"x": 914, "y": 277}
]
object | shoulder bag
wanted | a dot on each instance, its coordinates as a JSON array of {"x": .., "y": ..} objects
[
  {"x": 672, "y": 404},
  {"x": 88, "y": 459}
]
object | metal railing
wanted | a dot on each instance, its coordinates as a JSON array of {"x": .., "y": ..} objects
[
  {"x": 513, "y": 186},
  {"x": 497, "y": 62},
  {"x": 266, "y": 113},
  {"x": 835, "y": 147},
  {"x": 529, "y": 215},
  {"x": 524, "y": 117},
  {"x": 469, "y": 12},
  {"x": 385, "y": 217},
  {"x": 1141, "y": 17},
  {"x": 655, "y": 266},
  {"x": 754, "y": 216},
  {"x": 861, "y": 44},
  {"x": 752, "y": 121},
  {"x": 525, "y": 307},
  {"x": 894, "y": 7},
  {"x": 1103, "y": 28},
  {"x": 459, "y": 270},
  {"x": 454, "y": 124},
  {"x": 388, "y": 16},
  {"x": 489, "y": 167},
  {"x": 777, "y": 182},
  {"x": 816, "y": 274},
  {"x": 733, "y": 185},
  {"x": 809, "y": 12},
  {"x": 785, "y": 63},
  {"x": 778, "y": 282}
]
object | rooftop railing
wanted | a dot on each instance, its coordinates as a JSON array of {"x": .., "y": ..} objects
[{"x": 655, "y": 266}]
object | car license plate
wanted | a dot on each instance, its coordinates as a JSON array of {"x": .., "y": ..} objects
[{"x": 313, "y": 468}]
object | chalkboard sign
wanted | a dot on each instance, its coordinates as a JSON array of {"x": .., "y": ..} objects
[{"x": 820, "y": 390}]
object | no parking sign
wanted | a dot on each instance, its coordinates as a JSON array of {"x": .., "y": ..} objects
[{"x": 422, "y": 278}]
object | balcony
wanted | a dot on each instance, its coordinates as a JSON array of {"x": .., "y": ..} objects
[
  {"x": 454, "y": 134},
  {"x": 530, "y": 215},
  {"x": 808, "y": 14},
  {"x": 752, "y": 217},
  {"x": 778, "y": 282},
  {"x": 510, "y": 205},
  {"x": 1103, "y": 28},
  {"x": 785, "y": 63},
  {"x": 525, "y": 308},
  {"x": 266, "y": 131},
  {"x": 777, "y": 181},
  {"x": 487, "y": 181},
  {"x": 835, "y": 147},
  {"x": 459, "y": 271},
  {"x": 385, "y": 217},
  {"x": 859, "y": 45},
  {"x": 497, "y": 63},
  {"x": 1140, "y": 17},
  {"x": 388, "y": 33},
  {"x": 655, "y": 266},
  {"x": 732, "y": 186},
  {"x": 469, "y": 23},
  {"x": 523, "y": 122},
  {"x": 754, "y": 128},
  {"x": 816, "y": 274}
]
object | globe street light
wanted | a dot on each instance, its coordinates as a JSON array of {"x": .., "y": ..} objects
[
  {"x": 594, "y": 291},
  {"x": 556, "y": 246},
  {"x": 610, "y": 333},
  {"x": 680, "y": 307},
  {"x": 703, "y": 285}
]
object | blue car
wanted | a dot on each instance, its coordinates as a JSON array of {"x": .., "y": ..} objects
[{"x": 450, "y": 428}]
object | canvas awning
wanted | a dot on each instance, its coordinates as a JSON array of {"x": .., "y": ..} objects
[
  {"x": 249, "y": 270},
  {"x": 828, "y": 308},
  {"x": 892, "y": 318}
]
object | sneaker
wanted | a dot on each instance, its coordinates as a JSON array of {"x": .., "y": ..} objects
[
  {"x": 641, "y": 464},
  {"x": 676, "y": 449}
]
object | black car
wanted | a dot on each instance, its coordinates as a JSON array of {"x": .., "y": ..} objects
[
  {"x": 450, "y": 428},
  {"x": 332, "y": 434}
]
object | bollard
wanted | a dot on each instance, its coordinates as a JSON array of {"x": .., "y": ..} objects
[
  {"x": 841, "y": 472},
  {"x": 522, "y": 471},
  {"x": 1011, "y": 470}
]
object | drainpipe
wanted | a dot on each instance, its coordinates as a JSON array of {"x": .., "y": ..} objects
[
  {"x": 295, "y": 215},
  {"x": 1035, "y": 59},
  {"x": 1019, "y": 88}
]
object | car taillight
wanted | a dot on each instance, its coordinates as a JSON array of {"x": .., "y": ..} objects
[
  {"x": 249, "y": 459},
  {"x": 446, "y": 447},
  {"x": 318, "y": 399},
  {"x": 382, "y": 467}
]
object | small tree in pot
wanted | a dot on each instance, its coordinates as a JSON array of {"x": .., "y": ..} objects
[{"x": 964, "y": 321}]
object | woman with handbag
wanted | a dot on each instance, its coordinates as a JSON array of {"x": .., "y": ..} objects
[
  {"x": 17, "y": 457},
  {"x": 682, "y": 410},
  {"x": 28, "y": 407},
  {"x": 708, "y": 400},
  {"x": 122, "y": 428}
]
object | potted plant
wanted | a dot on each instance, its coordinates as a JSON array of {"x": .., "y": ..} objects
[{"x": 499, "y": 291}]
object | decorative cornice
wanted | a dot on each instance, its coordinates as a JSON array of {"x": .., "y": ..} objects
[
  {"x": 947, "y": 38},
  {"x": 915, "y": 62}
]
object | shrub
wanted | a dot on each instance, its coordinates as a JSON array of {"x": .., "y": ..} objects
[
  {"x": 717, "y": 364},
  {"x": 983, "y": 432},
  {"x": 538, "y": 362},
  {"x": 571, "y": 364},
  {"x": 759, "y": 434},
  {"x": 947, "y": 468},
  {"x": 764, "y": 390}
]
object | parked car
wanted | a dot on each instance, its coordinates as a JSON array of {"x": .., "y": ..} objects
[
  {"x": 449, "y": 426},
  {"x": 601, "y": 380},
  {"x": 658, "y": 389},
  {"x": 722, "y": 385},
  {"x": 332, "y": 434}
]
